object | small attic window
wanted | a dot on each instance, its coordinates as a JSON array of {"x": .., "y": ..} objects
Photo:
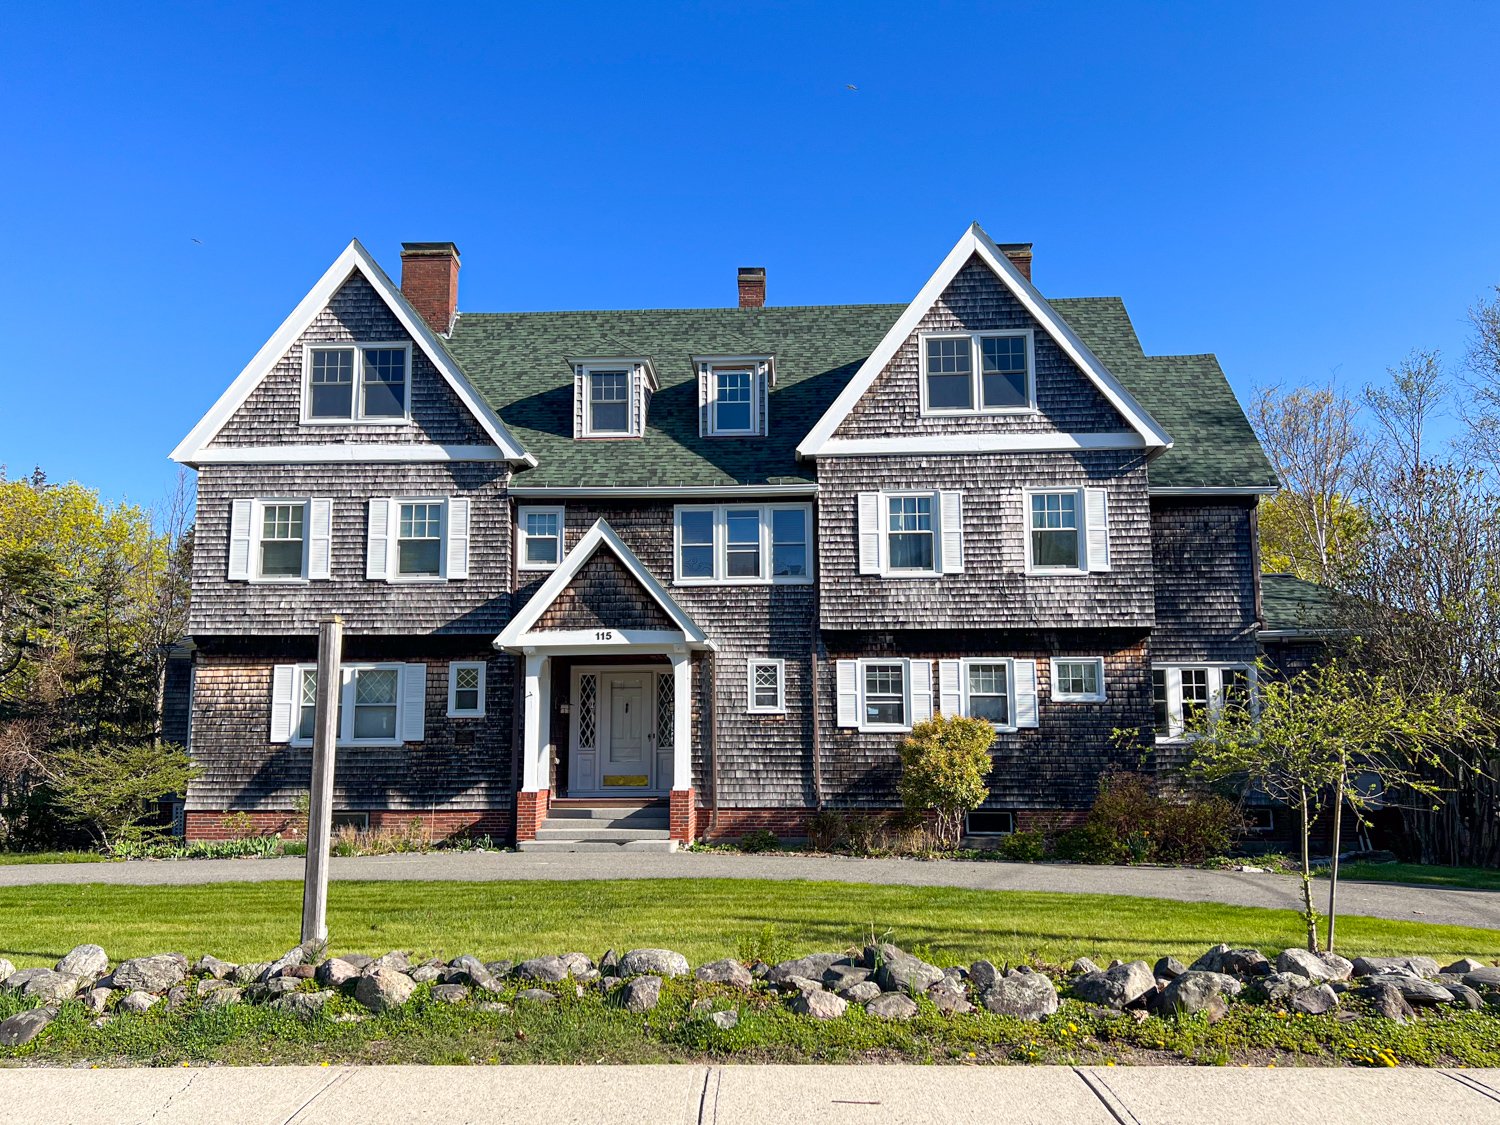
[
  {"x": 611, "y": 397},
  {"x": 609, "y": 402},
  {"x": 732, "y": 395},
  {"x": 357, "y": 383}
]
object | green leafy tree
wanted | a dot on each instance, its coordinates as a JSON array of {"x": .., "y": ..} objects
[
  {"x": 109, "y": 788},
  {"x": 1332, "y": 738},
  {"x": 944, "y": 762}
]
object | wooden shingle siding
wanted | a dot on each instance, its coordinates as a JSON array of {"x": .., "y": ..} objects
[
  {"x": 1055, "y": 765},
  {"x": 1205, "y": 586},
  {"x": 763, "y": 760},
  {"x": 976, "y": 301},
  {"x": 462, "y": 763},
  {"x": 177, "y": 696},
  {"x": 272, "y": 414},
  {"x": 604, "y": 595},
  {"x": 477, "y": 604},
  {"x": 994, "y": 591}
]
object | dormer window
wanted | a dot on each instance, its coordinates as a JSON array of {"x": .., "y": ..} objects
[
  {"x": 609, "y": 402},
  {"x": 612, "y": 396},
  {"x": 732, "y": 395},
  {"x": 977, "y": 372},
  {"x": 357, "y": 383}
]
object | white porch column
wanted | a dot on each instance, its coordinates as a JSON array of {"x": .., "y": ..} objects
[
  {"x": 533, "y": 778},
  {"x": 682, "y": 721}
]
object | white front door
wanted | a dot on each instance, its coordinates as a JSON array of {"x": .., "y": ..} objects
[
  {"x": 615, "y": 730},
  {"x": 628, "y": 758}
]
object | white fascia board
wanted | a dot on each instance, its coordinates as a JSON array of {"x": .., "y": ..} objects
[
  {"x": 663, "y": 492},
  {"x": 600, "y": 641},
  {"x": 600, "y": 535},
  {"x": 644, "y": 362},
  {"x": 975, "y": 241},
  {"x": 354, "y": 259},
  {"x": 979, "y": 443},
  {"x": 409, "y": 453},
  {"x": 1215, "y": 490}
]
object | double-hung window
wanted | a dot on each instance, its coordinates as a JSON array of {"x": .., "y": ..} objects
[
  {"x": 466, "y": 690},
  {"x": 1077, "y": 679},
  {"x": 883, "y": 695},
  {"x": 608, "y": 403},
  {"x": 419, "y": 539},
  {"x": 1181, "y": 695},
  {"x": 378, "y": 704},
  {"x": 987, "y": 691},
  {"x": 611, "y": 397},
  {"x": 738, "y": 543},
  {"x": 357, "y": 383},
  {"x": 1067, "y": 530},
  {"x": 283, "y": 539},
  {"x": 977, "y": 372},
  {"x": 909, "y": 534},
  {"x": 539, "y": 538},
  {"x": 767, "y": 686},
  {"x": 733, "y": 402},
  {"x": 280, "y": 540},
  {"x": 732, "y": 394}
]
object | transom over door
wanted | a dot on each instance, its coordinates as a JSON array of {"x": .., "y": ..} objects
[{"x": 630, "y": 754}]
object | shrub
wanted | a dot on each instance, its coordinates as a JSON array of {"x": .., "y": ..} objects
[
  {"x": 944, "y": 762},
  {"x": 1151, "y": 828},
  {"x": 1024, "y": 847},
  {"x": 1090, "y": 842},
  {"x": 111, "y": 787},
  {"x": 852, "y": 833},
  {"x": 760, "y": 840}
]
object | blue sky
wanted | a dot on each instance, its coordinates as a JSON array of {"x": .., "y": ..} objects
[{"x": 1307, "y": 190}]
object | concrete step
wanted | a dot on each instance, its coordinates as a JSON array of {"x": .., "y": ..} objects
[
  {"x": 552, "y": 830},
  {"x": 645, "y": 813},
  {"x": 564, "y": 846}
]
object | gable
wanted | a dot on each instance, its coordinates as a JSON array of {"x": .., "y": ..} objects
[
  {"x": 976, "y": 300},
  {"x": 604, "y": 595}
]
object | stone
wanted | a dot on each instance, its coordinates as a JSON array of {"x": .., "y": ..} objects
[
  {"x": 381, "y": 988},
  {"x": 800, "y": 984},
  {"x": 450, "y": 993},
  {"x": 1026, "y": 996},
  {"x": 1485, "y": 978},
  {"x": 280, "y": 986},
  {"x": 536, "y": 996},
  {"x": 725, "y": 1021},
  {"x": 1083, "y": 966},
  {"x": 1387, "y": 1001},
  {"x": 360, "y": 961},
  {"x": 307, "y": 1005},
  {"x": 728, "y": 971},
  {"x": 6, "y": 969},
  {"x": 336, "y": 973},
  {"x": 300, "y": 972},
  {"x": 1374, "y": 966},
  {"x": 1191, "y": 992},
  {"x": 1279, "y": 987},
  {"x": 902, "y": 972},
  {"x": 500, "y": 969},
  {"x": 248, "y": 973},
  {"x": 292, "y": 958},
  {"x": 177, "y": 997},
  {"x": 471, "y": 965},
  {"x": 983, "y": 975},
  {"x": 609, "y": 964},
  {"x": 424, "y": 974},
  {"x": 1168, "y": 968},
  {"x": 138, "y": 1001},
  {"x": 487, "y": 983},
  {"x": 820, "y": 1005},
  {"x": 89, "y": 962},
  {"x": 653, "y": 962},
  {"x": 1315, "y": 1001},
  {"x": 1414, "y": 990},
  {"x": 950, "y": 1003},
  {"x": 759, "y": 969},
  {"x": 51, "y": 987},
  {"x": 1117, "y": 987},
  {"x": 211, "y": 966},
  {"x": 1314, "y": 966},
  {"x": 642, "y": 994},
  {"x": 220, "y": 997},
  {"x": 861, "y": 993},
  {"x": 892, "y": 1006},
  {"x": 395, "y": 959},
  {"x": 1232, "y": 962},
  {"x": 1466, "y": 965},
  {"x": 550, "y": 969},
  {"x": 813, "y": 966},
  {"x": 607, "y": 985},
  {"x": 492, "y": 1006},
  {"x": 23, "y": 1027},
  {"x": 1466, "y": 996},
  {"x": 577, "y": 963},
  {"x": 208, "y": 984},
  {"x": 97, "y": 999},
  {"x": 839, "y": 977},
  {"x": 18, "y": 980}
]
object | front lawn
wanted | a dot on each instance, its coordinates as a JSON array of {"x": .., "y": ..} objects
[
  {"x": 704, "y": 919},
  {"x": 52, "y": 857},
  {"x": 1423, "y": 874}
]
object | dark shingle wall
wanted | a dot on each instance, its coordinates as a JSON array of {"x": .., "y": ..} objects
[
  {"x": 1205, "y": 580},
  {"x": 604, "y": 595}
]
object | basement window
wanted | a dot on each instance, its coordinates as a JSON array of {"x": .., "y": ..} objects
[{"x": 990, "y": 822}]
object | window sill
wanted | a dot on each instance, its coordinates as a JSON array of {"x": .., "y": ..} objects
[
  {"x": 465, "y": 714},
  {"x": 419, "y": 580},
  {"x": 383, "y": 744},
  {"x": 392, "y": 422},
  {"x": 537, "y": 568},
  {"x": 883, "y": 730},
  {"x": 911, "y": 574},
  {"x": 742, "y": 582},
  {"x": 279, "y": 581},
  {"x": 1057, "y": 572},
  {"x": 982, "y": 412},
  {"x": 1059, "y": 698}
]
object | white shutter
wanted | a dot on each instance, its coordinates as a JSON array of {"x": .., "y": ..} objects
[
  {"x": 1028, "y": 714},
  {"x": 1096, "y": 527},
  {"x": 413, "y": 702},
  {"x": 458, "y": 537},
  {"x": 378, "y": 543},
  {"x": 869, "y": 533},
  {"x": 283, "y": 701},
  {"x": 319, "y": 538},
  {"x": 241, "y": 517},
  {"x": 848, "y": 693},
  {"x": 950, "y": 687},
  {"x": 951, "y": 523},
  {"x": 1174, "y": 701},
  {"x": 921, "y": 691}
]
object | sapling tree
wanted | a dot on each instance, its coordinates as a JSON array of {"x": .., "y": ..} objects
[
  {"x": 109, "y": 787},
  {"x": 944, "y": 762},
  {"x": 1327, "y": 739}
]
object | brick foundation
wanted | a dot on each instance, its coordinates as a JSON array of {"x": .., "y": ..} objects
[
  {"x": 682, "y": 815},
  {"x": 531, "y": 810},
  {"x": 439, "y": 825}
]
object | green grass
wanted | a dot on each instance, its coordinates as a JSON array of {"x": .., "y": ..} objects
[
  {"x": 702, "y": 918},
  {"x": 53, "y": 857},
  {"x": 1423, "y": 874}
]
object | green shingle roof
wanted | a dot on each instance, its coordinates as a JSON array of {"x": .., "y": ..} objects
[
  {"x": 519, "y": 362},
  {"x": 1291, "y": 603}
]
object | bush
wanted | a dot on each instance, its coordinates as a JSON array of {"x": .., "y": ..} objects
[
  {"x": 111, "y": 787},
  {"x": 944, "y": 762},
  {"x": 1090, "y": 843},
  {"x": 1150, "y": 828},
  {"x": 760, "y": 840},
  {"x": 851, "y": 833},
  {"x": 1024, "y": 847}
]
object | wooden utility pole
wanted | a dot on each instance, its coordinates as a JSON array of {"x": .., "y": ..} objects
[{"x": 320, "y": 804}]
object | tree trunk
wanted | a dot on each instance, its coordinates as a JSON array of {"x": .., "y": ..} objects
[
  {"x": 1333, "y": 858},
  {"x": 1309, "y": 915}
]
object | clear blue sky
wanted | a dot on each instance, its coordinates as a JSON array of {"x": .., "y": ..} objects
[{"x": 1302, "y": 188}]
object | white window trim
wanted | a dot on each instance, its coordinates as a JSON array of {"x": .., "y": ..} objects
[
  {"x": 1060, "y": 696},
  {"x": 1270, "y": 825},
  {"x": 454, "y": 712},
  {"x": 1215, "y": 670},
  {"x": 393, "y": 544},
  {"x": 780, "y": 665},
  {"x": 357, "y": 417},
  {"x": 521, "y": 536},
  {"x": 632, "y": 370},
  {"x": 1080, "y": 512},
  {"x": 759, "y": 370},
  {"x": 346, "y": 703},
  {"x": 976, "y": 374},
  {"x": 257, "y": 531},
  {"x": 721, "y": 545},
  {"x": 1010, "y": 688},
  {"x": 888, "y": 571},
  {"x": 868, "y": 727}
]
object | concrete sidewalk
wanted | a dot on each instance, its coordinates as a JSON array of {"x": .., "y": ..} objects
[
  {"x": 749, "y": 1095},
  {"x": 1377, "y": 900}
]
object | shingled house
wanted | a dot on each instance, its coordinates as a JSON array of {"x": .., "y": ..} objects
[{"x": 601, "y": 567}]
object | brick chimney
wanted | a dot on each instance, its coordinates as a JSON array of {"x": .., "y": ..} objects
[
  {"x": 1019, "y": 254},
  {"x": 429, "y": 280},
  {"x": 752, "y": 287}
]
